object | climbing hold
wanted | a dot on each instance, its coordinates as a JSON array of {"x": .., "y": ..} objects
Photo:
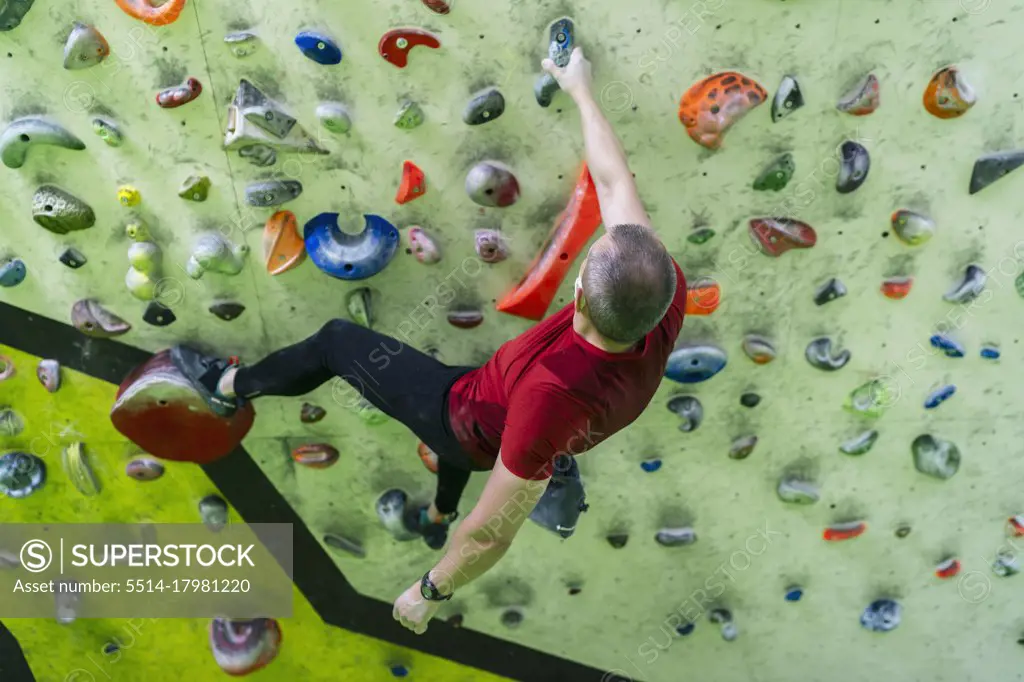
[
  {"x": 108, "y": 131},
  {"x": 259, "y": 155},
  {"x": 759, "y": 349},
  {"x": 872, "y": 398},
  {"x": 797, "y": 491},
  {"x": 137, "y": 231},
  {"x": 881, "y": 615},
  {"x": 12, "y": 272},
  {"x": 73, "y": 258},
  {"x": 947, "y": 569},
  {"x": 902, "y": 530},
  {"x": 1005, "y": 564},
  {"x": 271, "y": 119},
  {"x": 414, "y": 184},
  {"x": 859, "y": 444},
  {"x": 617, "y": 540},
  {"x": 776, "y": 175},
  {"x": 990, "y": 352},
  {"x": 703, "y": 298},
  {"x": 788, "y": 98},
  {"x": 991, "y": 167},
  {"x": 545, "y": 88},
  {"x": 427, "y": 456},
  {"x": 820, "y": 356},
  {"x": 283, "y": 247},
  {"x": 128, "y": 196},
  {"x": 465, "y": 319},
  {"x": 311, "y": 414},
  {"x": 912, "y": 228},
  {"x": 85, "y": 47},
  {"x": 650, "y": 465},
  {"x": 29, "y": 131},
  {"x": 13, "y": 11},
  {"x": 272, "y": 192},
  {"x": 315, "y": 456},
  {"x": 896, "y": 288},
  {"x": 144, "y": 469},
  {"x": 391, "y": 508},
  {"x": 144, "y": 273},
  {"x": 370, "y": 414},
  {"x": 563, "y": 500},
  {"x": 242, "y": 43},
  {"x": 258, "y": 128},
  {"x": 399, "y": 670},
  {"x": 76, "y": 466},
  {"x": 935, "y": 457},
  {"x": 675, "y": 537},
  {"x": 750, "y": 400},
  {"x": 344, "y": 544},
  {"x": 948, "y": 95},
  {"x": 158, "y": 315},
  {"x": 145, "y": 11},
  {"x": 92, "y": 319},
  {"x": 394, "y": 46},
  {"x": 195, "y": 188},
  {"x": 438, "y": 6},
  {"x": 227, "y": 310},
  {"x": 48, "y": 373},
  {"x": 11, "y": 423},
  {"x": 490, "y": 183},
  {"x": 359, "y": 306},
  {"x": 484, "y": 106},
  {"x": 854, "y": 167},
  {"x": 862, "y": 99},
  {"x": 693, "y": 364},
  {"x": 409, "y": 116},
  {"x": 214, "y": 253},
  {"x": 969, "y": 288},
  {"x": 175, "y": 96},
  {"x": 561, "y": 41},
  {"x": 844, "y": 531},
  {"x": 723, "y": 617},
  {"x": 214, "y": 512},
  {"x": 776, "y": 236},
  {"x": 243, "y": 646},
  {"x": 7, "y": 368},
  {"x": 829, "y": 291},
  {"x": 21, "y": 474},
  {"x": 334, "y": 116},
  {"x": 939, "y": 396},
  {"x": 794, "y": 593},
  {"x": 512, "y": 618},
  {"x": 423, "y": 246},
  {"x": 319, "y": 47},
  {"x": 700, "y": 235},
  {"x": 1015, "y": 526},
  {"x": 350, "y": 256},
  {"x": 742, "y": 447},
  {"x": 491, "y": 246},
  {"x": 712, "y": 106},
  {"x": 685, "y": 629},
  {"x": 689, "y": 410}
]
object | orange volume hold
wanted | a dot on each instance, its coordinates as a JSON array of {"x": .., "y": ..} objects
[
  {"x": 414, "y": 184},
  {"x": 142, "y": 10}
]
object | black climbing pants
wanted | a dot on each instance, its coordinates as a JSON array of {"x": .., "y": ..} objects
[{"x": 402, "y": 382}]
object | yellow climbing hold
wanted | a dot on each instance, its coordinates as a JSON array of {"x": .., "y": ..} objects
[{"x": 128, "y": 196}]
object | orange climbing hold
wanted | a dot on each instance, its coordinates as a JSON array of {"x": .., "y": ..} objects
[
  {"x": 428, "y": 457},
  {"x": 948, "y": 95},
  {"x": 142, "y": 10},
  {"x": 414, "y": 184},
  {"x": 703, "y": 299},
  {"x": 897, "y": 287},
  {"x": 531, "y": 298},
  {"x": 844, "y": 531},
  {"x": 283, "y": 246},
  {"x": 712, "y": 106}
]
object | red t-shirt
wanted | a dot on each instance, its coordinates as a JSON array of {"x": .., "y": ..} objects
[{"x": 549, "y": 392}]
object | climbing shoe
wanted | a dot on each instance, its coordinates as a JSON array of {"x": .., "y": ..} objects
[
  {"x": 205, "y": 372},
  {"x": 434, "y": 531}
]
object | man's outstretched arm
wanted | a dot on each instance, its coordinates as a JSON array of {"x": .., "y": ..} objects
[{"x": 616, "y": 188}]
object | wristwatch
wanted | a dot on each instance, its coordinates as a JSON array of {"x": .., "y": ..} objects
[{"x": 429, "y": 590}]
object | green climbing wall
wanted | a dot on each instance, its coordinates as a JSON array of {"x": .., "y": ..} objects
[{"x": 750, "y": 545}]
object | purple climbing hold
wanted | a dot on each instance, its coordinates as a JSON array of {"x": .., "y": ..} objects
[
  {"x": 491, "y": 246},
  {"x": 862, "y": 99},
  {"x": 939, "y": 396}
]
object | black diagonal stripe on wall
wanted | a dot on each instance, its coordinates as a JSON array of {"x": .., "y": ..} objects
[{"x": 250, "y": 492}]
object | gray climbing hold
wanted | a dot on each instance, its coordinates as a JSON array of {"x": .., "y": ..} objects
[
  {"x": 492, "y": 184},
  {"x": 758, "y": 348},
  {"x": 829, "y": 291},
  {"x": 969, "y": 288},
  {"x": 48, "y": 373},
  {"x": 860, "y": 444},
  {"x": 158, "y": 315},
  {"x": 742, "y": 447},
  {"x": 484, "y": 106},
  {"x": 29, "y": 131},
  {"x": 563, "y": 500},
  {"x": 76, "y": 466},
  {"x": 195, "y": 188},
  {"x": 242, "y": 43},
  {"x": 12, "y": 272},
  {"x": 334, "y": 117},
  {"x": 676, "y": 537},
  {"x": 544, "y": 89},
  {"x": 512, "y": 618},
  {"x": 271, "y": 119},
  {"x": 12, "y": 12},
  {"x": 992, "y": 167},
  {"x": 61, "y": 212},
  {"x": 92, "y": 319},
  {"x": 409, "y": 116},
  {"x": 10, "y": 423},
  {"x": 108, "y": 131},
  {"x": 390, "y": 510},
  {"x": 855, "y": 162},
  {"x": 73, "y": 258},
  {"x": 820, "y": 355},
  {"x": 213, "y": 510},
  {"x": 213, "y": 252},
  {"x": 1005, "y": 564},
  {"x": 862, "y": 99},
  {"x": 345, "y": 545},
  {"x": 796, "y": 491},
  {"x": 723, "y": 617},
  {"x": 227, "y": 310},
  {"x": 788, "y": 98},
  {"x": 21, "y": 474},
  {"x": 935, "y": 457},
  {"x": 85, "y": 47},
  {"x": 360, "y": 306},
  {"x": 490, "y": 246},
  {"x": 272, "y": 193},
  {"x": 259, "y": 155},
  {"x": 689, "y": 410},
  {"x": 255, "y": 119},
  {"x": 617, "y": 540},
  {"x": 882, "y": 615}
]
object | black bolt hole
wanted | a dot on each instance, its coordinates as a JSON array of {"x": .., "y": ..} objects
[
  {"x": 563, "y": 256},
  {"x": 23, "y": 137},
  {"x": 348, "y": 267}
]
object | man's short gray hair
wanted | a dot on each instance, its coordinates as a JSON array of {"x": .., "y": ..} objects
[{"x": 629, "y": 284}]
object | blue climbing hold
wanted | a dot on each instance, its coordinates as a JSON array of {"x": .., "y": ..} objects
[
  {"x": 990, "y": 353},
  {"x": 12, "y": 272},
  {"x": 794, "y": 594},
  {"x": 318, "y": 47},
  {"x": 948, "y": 346},
  {"x": 881, "y": 615},
  {"x": 350, "y": 256},
  {"x": 693, "y": 364},
  {"x": 939, "y": 396},
  {"x": 111, "y": 648},
  {"x": 685, "y": 629},
  {"x": 650, "y": 465},
  {"x": 399, "y": 670}
]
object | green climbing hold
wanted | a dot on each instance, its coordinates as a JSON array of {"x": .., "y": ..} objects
[
  {"x": 872, "y": 399},
  {"x": 700, "y": 235},
  {"x": 912, "y": 228},
  {"x": 1019, "y": 283},
  {"x": 409, "y": 116},
  {"x": 370, "y": 413},
  {"x": 195, "y": 188},
  {"x": 777, "y": 174},
  {"x": 61, "y": 212},
  {"x": 359, "y": 307},
  {"x": 108, "y": 131}
]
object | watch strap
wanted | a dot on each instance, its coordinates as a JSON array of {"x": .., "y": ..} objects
[{"x": 429, "y": 590}]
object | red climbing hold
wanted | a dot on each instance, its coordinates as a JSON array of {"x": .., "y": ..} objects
[
  {"x": 776, "y": 236},
  {"x": 1015, "y": 526},
  {"x": 844, "y": 531},
  {"x": 158, "y": 409},
  {"x": 439, "y": 6},
  {"x": 414, "y": 184},
  {"x": 179, "y": 94},
  {"x": 703, "y": 299},
  {"x": 897, "y": 287},
  {"x": 394, "y": 45},
  {"x": 144, "y": 10},
  {"x": 947, "y": 569},
  {"x": 575, "y": 226},
  {"x": 315, "y": 456},
  {"x": 712, "y": 106}
]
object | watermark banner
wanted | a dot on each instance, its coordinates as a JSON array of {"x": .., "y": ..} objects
[{"x": 71, "y": 571}]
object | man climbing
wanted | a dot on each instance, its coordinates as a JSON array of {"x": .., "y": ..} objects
[{"x": 562, "y": 387}]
